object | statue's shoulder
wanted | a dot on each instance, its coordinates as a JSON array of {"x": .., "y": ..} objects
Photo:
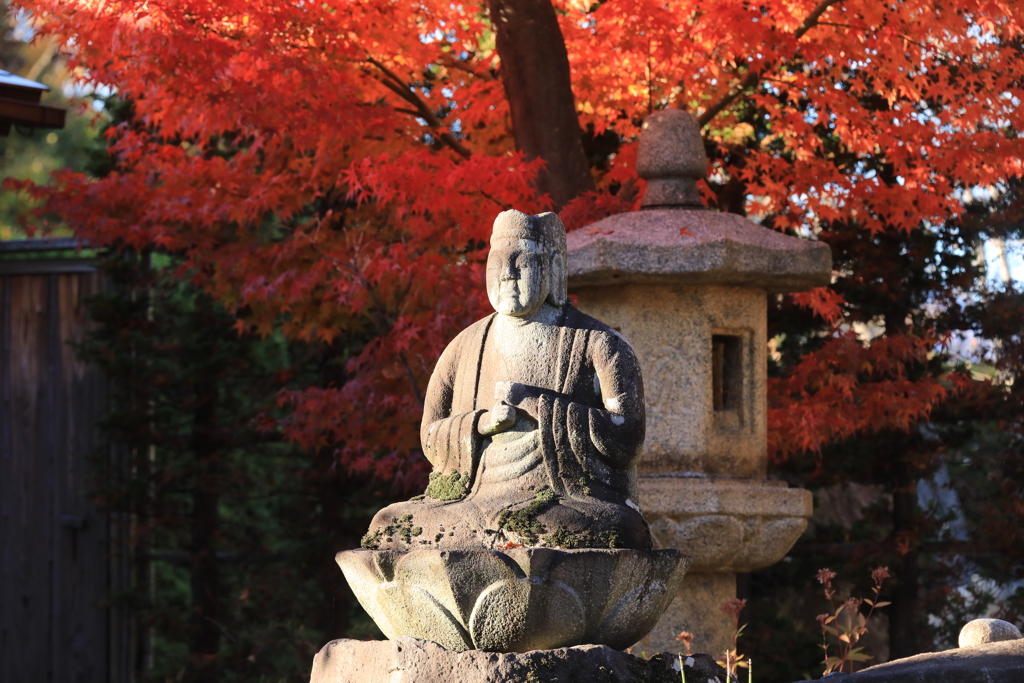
[
  {"x": 601, "y": 334},
  {"x": 472, "y": 334},
  {"x": 577, "y": 319}
]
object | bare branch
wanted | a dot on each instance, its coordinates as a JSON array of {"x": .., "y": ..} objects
[
  {"x": 384, "y": 320},
  {"x": 753, "y": 76},
  {"x": 484, "y": 73},
  {"x": 400, "y": 88}
]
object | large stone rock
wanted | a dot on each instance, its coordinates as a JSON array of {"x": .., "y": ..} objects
[
  {"x": 992, "y": 663},
  {"x": 408, "y": 660},
  {"x": 515, "y": 600}
]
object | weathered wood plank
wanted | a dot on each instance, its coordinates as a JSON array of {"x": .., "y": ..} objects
[
  {"x": 55, "y": 562},
  {"x": 28, "y": 570},
  {"x": 8, "y": 489},
  {"x": 82, "y": 534}
]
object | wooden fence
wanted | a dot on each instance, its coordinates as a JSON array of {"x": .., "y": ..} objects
[{"x": 60, "y": 559}]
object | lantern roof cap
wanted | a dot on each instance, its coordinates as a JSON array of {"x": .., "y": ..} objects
[{"x": 674, "y": 239}]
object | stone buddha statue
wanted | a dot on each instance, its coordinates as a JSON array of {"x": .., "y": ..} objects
[{"x": 533, "y": 418}]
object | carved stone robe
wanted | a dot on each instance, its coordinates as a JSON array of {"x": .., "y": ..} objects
[
  {"x": 591, "y": 417},
  {"x": 589, "y": 430}
]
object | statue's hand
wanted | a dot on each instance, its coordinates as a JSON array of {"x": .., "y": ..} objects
[
  {"x": 522, "y": 396},
  {"x": 497, "y": 419}
]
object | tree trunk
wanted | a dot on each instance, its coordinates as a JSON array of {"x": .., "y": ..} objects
[
  {"x": 333, "y": 493},
  {"x": 535, "y": 73},
  {"x": 204, "y": 621},
  {"x": 903, "y": 614}
]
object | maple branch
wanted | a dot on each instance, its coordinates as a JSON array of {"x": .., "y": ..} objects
[
  {"x": 385, "y": 320},
  {"x": 400, "y": 88},
  {"x": 412, "y": 378},
  {"x": 837, "y": 24},
  {"x": 754, "y": 75},
  {"x": 452, "y": 63},
  {"x": 906, "y": 38},
  {"x": 486, "y": 195}
]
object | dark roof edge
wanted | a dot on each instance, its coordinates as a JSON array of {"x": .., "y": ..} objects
[{"x": 45, "y": 244}]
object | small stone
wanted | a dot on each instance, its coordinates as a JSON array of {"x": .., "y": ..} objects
[{"x": 982, "y": 631}]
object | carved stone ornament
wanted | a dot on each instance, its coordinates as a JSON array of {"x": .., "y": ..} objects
[
  {"x": 515, "y": 600},
  {"x": 529, "y": 534}
]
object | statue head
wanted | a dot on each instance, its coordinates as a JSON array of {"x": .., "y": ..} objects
[{"x": 527, "y": 264}]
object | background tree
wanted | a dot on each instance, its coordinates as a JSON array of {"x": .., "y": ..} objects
[
  {"x": 231, "y": 527},
  {"x": 330, "y": 171},
  {"x": 33, "y": 154}
]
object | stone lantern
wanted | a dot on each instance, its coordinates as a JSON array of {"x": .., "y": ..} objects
[{"x": 688, "y": 288}]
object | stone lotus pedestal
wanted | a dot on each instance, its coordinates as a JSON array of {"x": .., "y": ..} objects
[{"x": 515, "y": 600}]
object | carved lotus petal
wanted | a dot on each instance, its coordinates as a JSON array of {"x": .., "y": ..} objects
[
  {"x": 515, "y": 600},
  {"x": 506, "y": 615}
]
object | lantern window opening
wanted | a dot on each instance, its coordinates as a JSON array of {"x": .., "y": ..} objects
[{"x": 727, "y": 379}]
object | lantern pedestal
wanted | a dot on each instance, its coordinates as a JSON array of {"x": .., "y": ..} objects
[{"x": 728, "y": 526}]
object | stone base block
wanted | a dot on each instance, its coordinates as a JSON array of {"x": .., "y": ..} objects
[
  {"x": 727, "y": 526},
  {"x": 410, "y": 660},
  {"x": 696, "y": 609}
]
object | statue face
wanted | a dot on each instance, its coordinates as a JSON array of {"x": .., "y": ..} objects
[{"x": 517, "y": 276}]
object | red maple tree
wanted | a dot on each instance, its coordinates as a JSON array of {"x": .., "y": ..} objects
[{"x": 332, "y": 168}]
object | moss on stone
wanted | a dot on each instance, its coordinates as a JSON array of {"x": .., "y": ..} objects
[
  {"x": 450, "y": 486},
  {"x": 563, "y": 538},
  {"x": 524, "y": 522},
  {"x": 371, "y": 540},
  {"x": 402, "y": 528},
  {"x": 546, "y": 668},
  {"x": 611, "y": 538}
]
